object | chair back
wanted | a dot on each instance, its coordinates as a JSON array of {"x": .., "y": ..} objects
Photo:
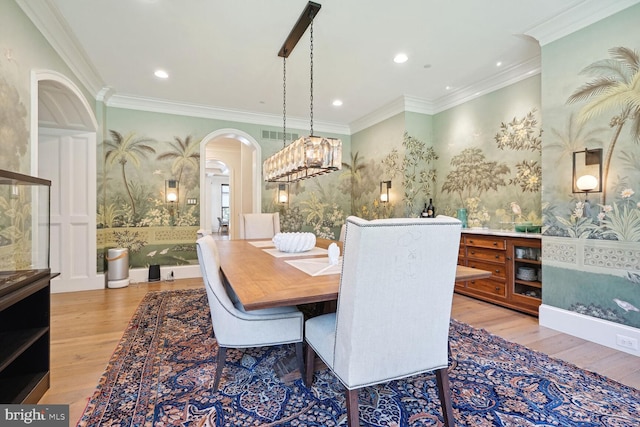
[
  {"x": 261, "y": 225},
  {"x": 395, "y": 297},
  {"x": 221, "y": 306}
]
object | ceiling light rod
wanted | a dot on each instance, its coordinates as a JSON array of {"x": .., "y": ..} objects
[
  {"x": 310, "y": 156},
  {"x": 298, "y": 30}
]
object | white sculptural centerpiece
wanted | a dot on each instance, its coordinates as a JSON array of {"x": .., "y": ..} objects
[{"x": 294, "y": 242}]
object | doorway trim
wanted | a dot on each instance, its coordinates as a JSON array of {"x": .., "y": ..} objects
[
  {"x": 87, "y": 128},
  {"x": 256, "y": 167}
]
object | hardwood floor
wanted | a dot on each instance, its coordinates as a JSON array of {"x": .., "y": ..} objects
[{"x": 87, "y": 326}]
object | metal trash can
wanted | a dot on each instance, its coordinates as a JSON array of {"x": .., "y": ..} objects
[{"x": 118, "y": 268}]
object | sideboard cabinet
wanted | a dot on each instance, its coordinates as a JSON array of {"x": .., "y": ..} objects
[
  {"x": 24, "y": 288},
  {"x": 515, "y": 266}
]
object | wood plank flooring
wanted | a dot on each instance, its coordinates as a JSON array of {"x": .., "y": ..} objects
[{"x": 87, "y": 326}]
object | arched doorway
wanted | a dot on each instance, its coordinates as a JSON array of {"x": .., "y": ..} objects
[
  {"x": 64, "y": 151},
  {"x": 241, "y": 153}
]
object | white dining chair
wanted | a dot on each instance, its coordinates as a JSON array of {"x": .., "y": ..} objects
[
  {"x": 260, "y": 225},
  {"x": 394, "y": 307},
  {"x": 235, "y": 327}
]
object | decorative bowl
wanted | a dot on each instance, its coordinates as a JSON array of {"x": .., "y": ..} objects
[
  {"x": 294, "y": 242},
  {"x": 527, "y": 228}
]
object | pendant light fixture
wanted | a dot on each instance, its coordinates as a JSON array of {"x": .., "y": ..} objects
[{"x": 311, "y": 155}]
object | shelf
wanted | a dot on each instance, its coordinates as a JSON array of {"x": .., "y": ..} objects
[
  {"x": 533, "y": 284},
  {"x": 17, "y": 342},
  {"x": 18, "y": 389},
  {"x": 528, "y": 261}
]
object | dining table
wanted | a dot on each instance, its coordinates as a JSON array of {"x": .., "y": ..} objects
[{"x": 263, "y": 277}]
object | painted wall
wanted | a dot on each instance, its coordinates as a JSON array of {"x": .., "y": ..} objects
[
  {"x": 489, "y": 157},
  {"x": 591, "y": 93},
  {"x": 158, "y": 147},
  {"x": 22, "y": 49}
]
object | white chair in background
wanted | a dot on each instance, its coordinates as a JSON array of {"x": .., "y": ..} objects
[
  {"x": 394, "y": 307},
  {"x": 233, "y": 327},
  {"x": 260, "y": 225}
]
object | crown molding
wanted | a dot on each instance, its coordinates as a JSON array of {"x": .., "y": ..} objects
[
  {"x": 507, "y": 77},
  {"x": 576, "y": 18},
  {"x": 405, "y": 103},
  {"x": 208, "y": 112},
  {"x": 48, "y": 20}
]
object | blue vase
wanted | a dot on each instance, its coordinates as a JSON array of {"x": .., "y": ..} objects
[{"x": 462, "y": 216}]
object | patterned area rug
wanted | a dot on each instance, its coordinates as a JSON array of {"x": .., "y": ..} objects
[{"x": 162, "y": 371}]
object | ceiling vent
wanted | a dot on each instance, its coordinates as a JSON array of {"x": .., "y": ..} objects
[{"x": 277, "y": 136}]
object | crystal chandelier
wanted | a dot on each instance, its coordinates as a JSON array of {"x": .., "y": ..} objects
[{"x": 311, "y": 155}]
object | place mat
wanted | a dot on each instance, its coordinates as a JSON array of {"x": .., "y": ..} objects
[
  {"x": 314, "y": 251},
  {"x": 316, "y": 266},
  {"x": 262, "y": 244}
]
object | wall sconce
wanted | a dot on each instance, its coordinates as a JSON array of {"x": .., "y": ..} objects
[
  {"x": 384, "y": 191},
  {"x": 587, "y": 171},
  {"x": 283, "y": 194},
  {"x": 171, "y": 195}
]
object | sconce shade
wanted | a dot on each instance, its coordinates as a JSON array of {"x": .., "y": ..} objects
[
  {"x": 587, "y": 183},
  {"x": 283, "y": 194},
  {"x": 384, "y": 191},
  {"x": 171, "y": 190},
  {"x": 587, "y": 171}
]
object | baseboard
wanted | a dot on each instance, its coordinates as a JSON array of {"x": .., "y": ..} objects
[
  {"x": 141, "y": 275},
  {"x": 97, "y": 282},
  {"x": 603, "y": 332}
]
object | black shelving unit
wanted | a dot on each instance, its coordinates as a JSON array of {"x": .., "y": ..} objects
[{"x": 25, "y": 340}]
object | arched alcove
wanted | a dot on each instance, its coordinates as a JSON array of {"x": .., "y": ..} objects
[
  {"x": 244, "y": 174},
  {"x": 63, "y": 150}
]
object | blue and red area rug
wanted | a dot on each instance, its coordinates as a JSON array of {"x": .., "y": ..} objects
[{"x": 162, "y": 370}]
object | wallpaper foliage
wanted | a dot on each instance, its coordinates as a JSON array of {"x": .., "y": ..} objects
[
  {"x": 591, "y": 246},
  {"x": 135, "y": 209}
]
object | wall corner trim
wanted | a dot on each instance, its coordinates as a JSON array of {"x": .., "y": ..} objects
[{"x": 592, "y": 329}]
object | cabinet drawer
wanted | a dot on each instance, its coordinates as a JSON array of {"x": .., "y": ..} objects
[
  {"x": 498, "y": 270},
  {"x": 486, "y": 255},
  {"x": 488, "y": 286},
  {"x": 485, "y": 242}
]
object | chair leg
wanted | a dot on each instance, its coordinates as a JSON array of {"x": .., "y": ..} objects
[
  {"x": 353, "y": 413},
  {"x": 444, "y": 393},
  {"x": 222, "y": 357},
  {"x": 300, "y": 357},
  {"x": 311, "y": 360}
]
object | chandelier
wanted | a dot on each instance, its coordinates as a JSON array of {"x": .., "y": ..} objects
[{"x": 311, "y": 155}]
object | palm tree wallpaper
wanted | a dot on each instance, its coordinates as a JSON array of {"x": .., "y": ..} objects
[
  {"x": 135, "y": 213},
  {"x": 593, "y": 241}
]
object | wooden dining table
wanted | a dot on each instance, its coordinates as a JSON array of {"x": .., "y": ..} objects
[{"x": 262, "y": 280}]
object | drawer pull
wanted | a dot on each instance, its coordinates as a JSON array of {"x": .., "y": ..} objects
[
  {"x": 497, "y": 288},
  {"x": 497, "y": 271},
  {"x": 495, "y": 243},
  {"x": 497, "y": 256}
]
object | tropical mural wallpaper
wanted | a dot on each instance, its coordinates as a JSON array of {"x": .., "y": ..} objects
[
  {"x": 135, "y": 213},
  {"x": 592, "y": 241}
]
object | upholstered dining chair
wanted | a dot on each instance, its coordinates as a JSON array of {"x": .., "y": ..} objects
[
  {"x": 234, "y": 327},
  {"x": 260, "y": 225},
  {"x": 223, "y": 224},
  {"x": 394, "y": 307}
]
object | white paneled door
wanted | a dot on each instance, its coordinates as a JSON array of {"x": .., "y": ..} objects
[{"x": 68, "y": 160}]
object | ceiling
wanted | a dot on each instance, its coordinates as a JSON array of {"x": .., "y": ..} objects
[{"x": 222, "y": 55}]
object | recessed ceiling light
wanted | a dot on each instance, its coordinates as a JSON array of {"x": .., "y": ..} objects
[
  {"x": 337, "y": 103},
  {"x": 447, "y": 87},
  {"x": 400, "y": 58},
  {"x": 161, "y": 74},
  {"x": 499, "y": 64}
]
